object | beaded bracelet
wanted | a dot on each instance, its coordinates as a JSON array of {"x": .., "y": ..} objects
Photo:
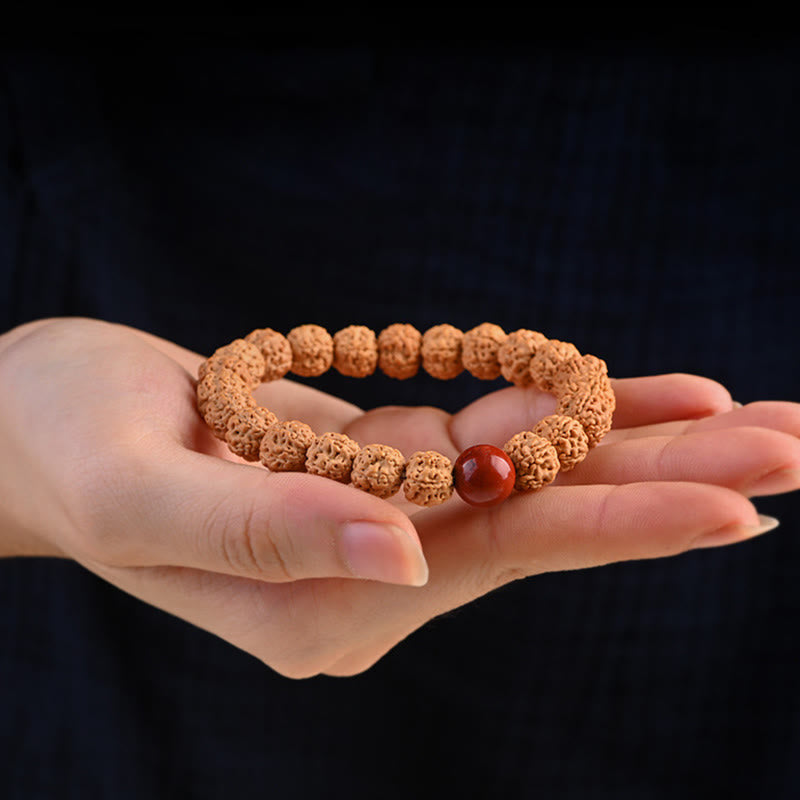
[{"x": 482, "y": 475}]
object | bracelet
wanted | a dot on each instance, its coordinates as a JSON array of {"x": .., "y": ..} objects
[{"x": 482, "y": 475}]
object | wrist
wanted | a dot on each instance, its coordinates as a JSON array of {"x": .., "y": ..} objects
[{"x": 16, "y": 539}]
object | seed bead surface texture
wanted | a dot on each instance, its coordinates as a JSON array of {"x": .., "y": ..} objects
[
  {"x": 222, "y": 356},
  {"x": 275, "y": 349},
  {"x": 479, "y": 351},
  {"x": 219, "y": 408},
  {"x": 515, "y": 355},
  {"x": 547, "y": 361},
  {"x": 399, "y": 351},
  {"x": 240, "y": 357},
  {"x": 379, "y": 470},
  {"x": 534, "y": 458},
  {"x": 441, "y": 352},
  {"x": 312, "y": 350},
  {"x": 429, "y": 478},
  {"x": 218, "y": 382},
  {"x": 483, "y": 475},
  {"x": 250, "y": 356},
  {"x": 567, "y": 436},
  {"x": 355, "y": 351},
  {"x": 576, "y": 373},
  {"x": 331, "y": 456},
  {"x": 592, "y": 405},
  {"x": 284, "y": 446},
  {"x": 246, "y": 429}
]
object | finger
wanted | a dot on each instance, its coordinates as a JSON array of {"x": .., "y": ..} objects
[
  {"x": 560, "y": 528},
  {"x": 780, "y": 416},
  {"x": 499, "y": 415},
  {"x": 753, "y": 461},
  {"x": 661, "y": 398},
  {"x": 197, "y": 511},
  {"x": 495, "y": 418},
  {"x": 341, "y": 627},
  {"x": 572, "y": 527},
  {"x": 557, "y": 529}
]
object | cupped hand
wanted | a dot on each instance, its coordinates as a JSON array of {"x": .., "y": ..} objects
[{"x": 105, "y": 460}]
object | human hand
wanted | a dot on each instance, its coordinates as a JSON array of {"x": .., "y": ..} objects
[{"x": 104, "y": 459}]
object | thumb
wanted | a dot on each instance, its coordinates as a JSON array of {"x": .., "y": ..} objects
[{"x": 207, "y": 513}]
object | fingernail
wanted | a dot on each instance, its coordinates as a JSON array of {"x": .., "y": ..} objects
[
  {"x": 731, "y": 534},
  {"x": 381, "y": 552},
  {"x": 737, "y": 404},
  {"x": 782, "y": 480}
]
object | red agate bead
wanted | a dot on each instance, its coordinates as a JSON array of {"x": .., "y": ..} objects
[{"x": 483, "y": 475}]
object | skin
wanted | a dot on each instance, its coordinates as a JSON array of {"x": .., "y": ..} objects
[{"x": 105, "y": 460}]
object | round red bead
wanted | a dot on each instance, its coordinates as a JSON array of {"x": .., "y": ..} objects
[{"x": 483, "y": 475}]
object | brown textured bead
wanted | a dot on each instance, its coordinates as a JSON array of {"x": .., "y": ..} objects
[
  {"x": 567, "y": 436},
  {"x": 515, "y": 355},
  {"x": 592, "y": 403},
  {"x": 219, "y": 408},
  {"x": 246, "y": 429},
  {"x": 399, "y": 351},
  {"x": 355, "y": 351},
  {"x": 547, "y": 361},
  {"x": 379, "y": 470},
  {"x": 312, "y": 350},
  {"x": 250, "y": 356},
  {"x": 429, "y": 478},
  {"x": 284, "y": 446},
  {"x": 534, "y": 458},
  {"x": 441, "y": 351},
  {"x": 479, "y": 350},
  {"x": 331, "y": 456},
  {"x": 577, "y": 371},
  {"x": 218, "y": 382},
  {"x": 221, "y": 357},
  {"x": 207, "y": 367},
  {"x": 275, "y": 349},
  {"x": 240, "y": 357}
]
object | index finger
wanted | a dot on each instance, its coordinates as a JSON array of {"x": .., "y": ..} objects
[{"x": 496, "y": 417}]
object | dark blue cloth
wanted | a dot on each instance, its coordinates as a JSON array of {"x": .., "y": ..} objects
[{"x": 639, "y": 198}]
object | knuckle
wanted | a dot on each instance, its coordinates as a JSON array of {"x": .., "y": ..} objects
[
  {"x": 663, "y": 458},
  {"x": 498, "y": 568},
  {"x": 716, "y": 398},
  {"x": 505, "y": 575},
  {"x": 249, "y": 542},
  {"x": 604, "y": 518}
]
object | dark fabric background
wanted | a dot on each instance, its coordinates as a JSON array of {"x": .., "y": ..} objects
[{"x": 638, "y": 197}]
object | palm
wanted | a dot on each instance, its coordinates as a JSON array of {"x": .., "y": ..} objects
[
  {"x": 107, "y": 461},
  {"x": 679, "y": 465},
  {"x": 668, "y": 470}
]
